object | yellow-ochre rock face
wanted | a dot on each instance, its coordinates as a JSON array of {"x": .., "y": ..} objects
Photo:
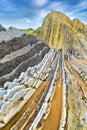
[
  {"x": 41, "y": 87},
  {"x": 59, "y": 31}
]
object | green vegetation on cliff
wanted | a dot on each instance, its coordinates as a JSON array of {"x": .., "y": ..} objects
[{"x": 31, "y": 31}]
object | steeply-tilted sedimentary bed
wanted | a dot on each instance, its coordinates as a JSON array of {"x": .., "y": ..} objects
[
  {"x": 42, "y": 87},
  {"x": 26, "y": 102}
]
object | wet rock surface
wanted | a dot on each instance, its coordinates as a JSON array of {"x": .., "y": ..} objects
[
  {"x": 42, "y": 87},
  {"x": 15, "y": 94}
]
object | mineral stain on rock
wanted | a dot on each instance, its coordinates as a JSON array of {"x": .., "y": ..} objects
[
  {"x": 43, "y": 78},
  {"x": 59, "y": 31}
]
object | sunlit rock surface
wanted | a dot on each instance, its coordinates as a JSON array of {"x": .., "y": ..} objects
[
  {"x": 59, "y": 31},
  {"x": 42, "y": 87}
]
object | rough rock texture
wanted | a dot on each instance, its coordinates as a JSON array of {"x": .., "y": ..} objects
[
  {"x": 16, "y": 43},
  {"x": 27, "y": 101},
  {"x": 7, "y": 67},
  {"x": 9, "y": 34},
  {"x": 44, "y": 88},
  {"x": 76, "y": 107},
  {"x": 18, "y": 51},
  {"x": 12, "y": 69},
  {"x": 79, "y": 26},
  {"x": 60, "y": 32}
]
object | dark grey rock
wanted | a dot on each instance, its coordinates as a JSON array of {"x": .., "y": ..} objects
[
  {"x": 15, "y": 44},
  {"x": 2, "y": 28}
]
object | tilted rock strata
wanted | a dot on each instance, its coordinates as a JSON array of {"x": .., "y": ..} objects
[
  {"x": 32, "y": 72},
  {"x": 76, "y": 99},
  {"x": 10, "y": 65},
  {"x": 12, "y": 69},
  {"x": 6, "y": 47},
  {"x": 79, "y": 26},
  {"x": 15, "y": 95},
  {"x": 31, "y": 79},
  {"x": 18, "y": 54},
  {"x": 60, "y": 32}
]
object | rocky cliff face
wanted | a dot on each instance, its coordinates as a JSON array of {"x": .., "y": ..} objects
[
  {"x": 42, "y": 87},
  {"x": 60, "y": 32},
  {"x": 79, "y": 26}
]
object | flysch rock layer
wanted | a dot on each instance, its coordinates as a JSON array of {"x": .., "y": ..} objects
[
  {"x": 59, "y": 31},
  {"x": 14, "y": 95},
  {"x": 31, "y": 72}
]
